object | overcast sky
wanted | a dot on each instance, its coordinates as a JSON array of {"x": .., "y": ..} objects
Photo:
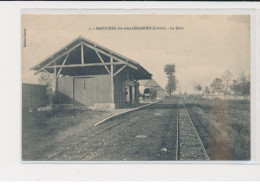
[{"x": 205, "y": 47}]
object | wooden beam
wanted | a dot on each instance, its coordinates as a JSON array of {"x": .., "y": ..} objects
[
  {"x": 45, "y": 71},
  {"x": 63, "y": 63},
  {"x": 56, "y": 84},
  {"x": 120, "y": 70},
  {"x": 101, "y": 59},
  {"x": 132, "y": 66},
  {"x": 52, "y": 61},
  {"x": 109, "y": 55},
  {"x": 84, "y": 65},
  {"x": 94, "y": 48},
  {"x": 82, "y": 54},
  {"x": 112, "y": 79}
]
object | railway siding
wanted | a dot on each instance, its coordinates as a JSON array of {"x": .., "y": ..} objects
[
  {"x": 190, "y": 145},
  {"x": 145, "y": 134},
  {"x": 100, "y": 136}
]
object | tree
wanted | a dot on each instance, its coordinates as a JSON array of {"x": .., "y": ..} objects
[
  {"x": 206, "y": 90},
  {"x": 241, "y": 86},
  {"x": 194, "y": 84},
  {"x": 48, "y": 80},
  {"x": 235, "y": 87},
  {"x": 171, "y": 84},
  {"x": 169, "y": 69},
  {"x": 244, "y": 84},
  {"x": 198, "y": 88},
  {"x": 226, "y": 76},
  {"x": 217, "y": 86}
]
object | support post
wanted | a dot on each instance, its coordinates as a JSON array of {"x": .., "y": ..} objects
[
  {"x": 82, "y": 54},
  {"x": 56, "y": 80},
  {"x": 56, "y": 87},
  {"x": 112, "y": 79}
]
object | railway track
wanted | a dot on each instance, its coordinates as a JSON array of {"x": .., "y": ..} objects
[
  {"x": 96, "y": 137},
  {"x": 84, "y": 157},
  {"x": 188, "y": 142}
]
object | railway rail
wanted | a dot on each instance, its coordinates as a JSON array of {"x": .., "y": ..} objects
[
  {"x": 126, "y": 123},
  {"x": 189, "y": 145},
  {"x": 109, "y": 139},
  {"x": 188, "y": 142}
]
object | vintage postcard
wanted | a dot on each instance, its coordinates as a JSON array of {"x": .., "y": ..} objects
[{"x": 135, "y": 87}]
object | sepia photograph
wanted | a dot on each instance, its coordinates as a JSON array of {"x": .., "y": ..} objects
[{"x": 147, "y": 87}]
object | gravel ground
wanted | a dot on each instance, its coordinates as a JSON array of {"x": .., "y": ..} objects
[
  {"x": 146, "y": 134},
  {"x": 189, "y": 145},
  {"x": 47, "y": 132}
]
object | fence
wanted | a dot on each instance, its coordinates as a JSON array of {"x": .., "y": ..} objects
[{"x": 34, "y": 96}]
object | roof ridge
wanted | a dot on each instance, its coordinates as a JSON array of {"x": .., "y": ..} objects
[
  {"x": 76, "y": 42},
  {"x": 153, "y": 81},
  {"x": 80, "y": 38},
  {"x": 113, "y": 52}
]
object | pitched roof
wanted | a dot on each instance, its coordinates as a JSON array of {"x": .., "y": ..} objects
[
  {"x": 60, "y": 56},
  {"x": 142, "y": 82},
  {"x": 150, "y": 83}
]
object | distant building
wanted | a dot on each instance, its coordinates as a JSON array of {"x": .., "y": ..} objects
[
  {"x": 143, "y": 84},
  {"x": 92, "y": 75}
]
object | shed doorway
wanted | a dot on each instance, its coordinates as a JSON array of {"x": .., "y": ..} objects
[
  {"x": 90, "y": 90},
  {"x": 83, "y": 92},
  {"x": 79, "y": 91}
]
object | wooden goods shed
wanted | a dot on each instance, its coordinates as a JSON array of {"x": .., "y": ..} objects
[{"x": 92, "y": 75}]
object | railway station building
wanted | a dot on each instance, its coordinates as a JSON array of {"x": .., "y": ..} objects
[
  {"x": 144, "y": 84},
  {"x": 91, "y": 75}
]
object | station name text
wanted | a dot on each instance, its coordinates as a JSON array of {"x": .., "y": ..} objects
[{"x": 136, "y": 28}]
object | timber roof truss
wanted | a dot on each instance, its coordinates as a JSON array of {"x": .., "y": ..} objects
[{"x": 84, "y": 57}]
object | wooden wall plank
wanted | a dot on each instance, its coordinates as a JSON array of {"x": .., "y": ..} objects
[{"x": 33, "y": 96}]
